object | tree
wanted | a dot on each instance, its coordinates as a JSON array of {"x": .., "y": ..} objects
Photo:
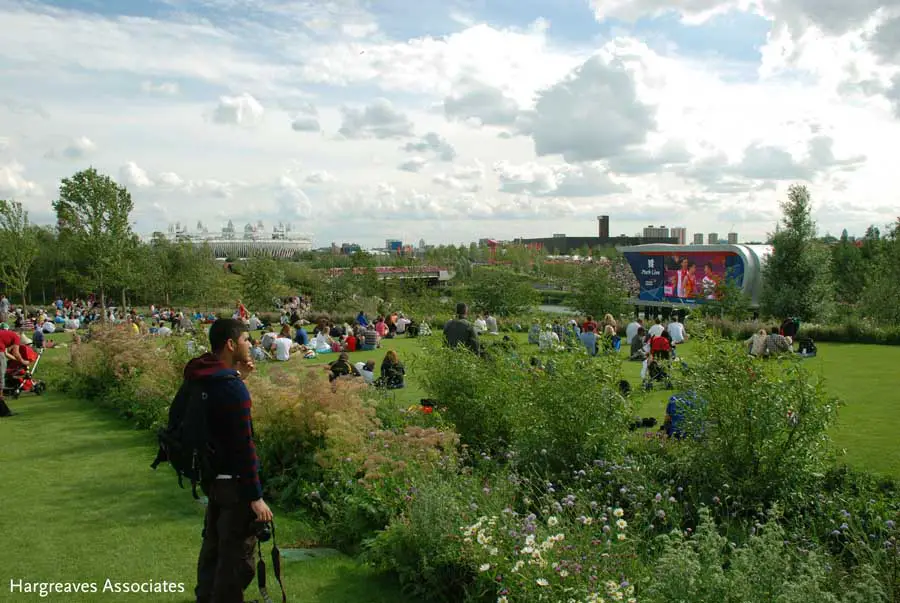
[
  {"x": 501, "y": 292},
  {"x": 18, "y": 240},
  {"x": 796, "y": 277},
  {"x": 262, "y": 281},
  {"x": 848, "y": 270},
  {"x": 93, "y": 215},
  {"x": 597, "y": 292},
  {"x": 879, "y": 300}
]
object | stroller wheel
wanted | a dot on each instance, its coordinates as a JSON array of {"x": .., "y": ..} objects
[
  {"x": 39, "y": 388},
  {"x": 15, "y": 395}
]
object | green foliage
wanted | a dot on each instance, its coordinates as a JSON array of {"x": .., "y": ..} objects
[
  {"x": 597, "y": 292},
  {"x": 848, "y": 269},
  {"x": 758, "y": 426},
  {"x": 93, "y": 217},
  {"x": 797, "y": 277},
  {"x": 262, "y": 281},
  {"x": 707, "y": 568},
  {"x": 731, "y": 301},
  {"x": 19, "y": 242},
  {"x": 501, "y": 292},
  {"x": 883, "y": 286},
  {"x": 546, "y": 419}
]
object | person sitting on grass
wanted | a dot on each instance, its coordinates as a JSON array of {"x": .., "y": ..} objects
[
  {"x": 776, "y": 344},
  {"x": 677, "y": 423},
  {"x": 322, "y": 343},
  {"x": 756, "y": 344},
  {"x": 637, "y": 345},
  {"x": 349, "y": 342},
  {"x": 491, "y": 323},
  {"x": 392, "y": 372},
  {"x": 283, "y": 344},
  {"x": 588, "y": 339},
  {"x": 534, "y": 333},
  {"x": 366, "y": 370},
  {"x": 257, "y": 352},
  {"x": 369, "y": 339},
  {"x": 340, "y": 367}
]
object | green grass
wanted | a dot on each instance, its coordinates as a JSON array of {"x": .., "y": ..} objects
[{"x": 81, "y": 504}]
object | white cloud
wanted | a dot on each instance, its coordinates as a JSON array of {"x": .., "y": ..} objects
[
  {"x": 162, "y": 88},
  {"x": 595, "y": 113},
  {"x": 378, "y": 120},
  {"x": 435, "y": 143},
  {"x": 241, "y": 110},
  {"x": 556, "y": 181},
  {"x": 462, "y": 178},
  {"x": 306, "y": 119},
  {"x": 485, "y": 103},
  {"x": 131, "y": 174},
  {"x": 13, "y": 182},
  {"x": 414, "y": 164},
  {"x": 319, "y": 177}
]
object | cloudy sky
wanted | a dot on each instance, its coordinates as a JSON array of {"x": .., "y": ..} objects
[{"x": 451, "y": 120}]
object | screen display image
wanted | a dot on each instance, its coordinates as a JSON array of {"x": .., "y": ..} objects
[{"x": 685, "y": 277}]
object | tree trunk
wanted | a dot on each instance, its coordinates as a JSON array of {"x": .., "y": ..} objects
[
  {"x": 124, "y": 305},
  {"x": 104, "y": 317},
  {"x": 43, "y": 295},
  {"x": 24, "y": 299}
]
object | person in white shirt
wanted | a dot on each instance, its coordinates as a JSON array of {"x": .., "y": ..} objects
[
  {"x": 480, "y": 325},
  {"x": 283, "y": 348},
  {"x": 366, "y": 371},
  {"x": 402, "y": 323},
  {"x": 255, "y": 323},
  {"x": 632, "y": 329},
  {"x": 547, "y": 340},
  {"x": 48, "y": 327},
  {"x": 491, "y": 323},
  {"x": 164, "y": 331},
  {"x": 657, "y": 329},
  {"x": 676, "y": 330}
]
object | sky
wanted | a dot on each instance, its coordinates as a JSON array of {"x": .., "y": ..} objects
[{"x": 453, "y": 120}]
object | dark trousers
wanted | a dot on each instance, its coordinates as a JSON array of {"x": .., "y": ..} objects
[{"x": 225, "y": 567}]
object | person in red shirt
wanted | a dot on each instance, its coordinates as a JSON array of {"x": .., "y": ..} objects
[
  {"x": 660, "y": 348},
  {"x": 590, "y": 325},
  {"x": 350, "y": 342},
  {"x": 9, "y": 350}
]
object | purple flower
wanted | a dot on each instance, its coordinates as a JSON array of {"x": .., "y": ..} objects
[
  {"x": 889, "y": 524},
  {"x": 845, "y": 513},
  {"x": 845, "y": 526}
]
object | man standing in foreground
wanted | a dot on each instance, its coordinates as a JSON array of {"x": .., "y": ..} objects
[
  {"x": 460, "y": 331},
  {"x": 225, "y": 567}
]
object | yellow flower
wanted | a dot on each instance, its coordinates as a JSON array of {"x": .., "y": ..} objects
[
  {"x": 621, "y": 524},
  {"x": 618, "y": 512}
]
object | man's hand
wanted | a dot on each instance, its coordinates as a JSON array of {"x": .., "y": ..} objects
[
  {"x": 263, "y": 513},
  {"x": 245, "y": 368}
]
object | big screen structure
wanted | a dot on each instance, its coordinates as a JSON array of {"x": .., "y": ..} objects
[{"x": 694, "y": 274}]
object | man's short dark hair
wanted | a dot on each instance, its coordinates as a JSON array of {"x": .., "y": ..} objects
[
  {"x": 224, "y": 329},
  {"x": 461, "y": 309}
]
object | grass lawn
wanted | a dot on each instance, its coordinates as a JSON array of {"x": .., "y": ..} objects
[{"x": 81, "y": 504}]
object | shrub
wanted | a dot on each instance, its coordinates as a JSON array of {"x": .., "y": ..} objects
[
  {"x": 543, "y": 418},
  {"x": 759, "y": 427},
  {"x": 707, "y": 568},
  {"x": 323, "y": 447}
]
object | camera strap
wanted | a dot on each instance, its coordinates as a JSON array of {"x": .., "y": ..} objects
[{"x": 276, "y": 567}]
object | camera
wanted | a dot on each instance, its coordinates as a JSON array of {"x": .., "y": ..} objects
[{"x": 263, "y": 531}]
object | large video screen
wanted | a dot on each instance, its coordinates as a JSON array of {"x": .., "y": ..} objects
[{"x": 685, "y": 277}]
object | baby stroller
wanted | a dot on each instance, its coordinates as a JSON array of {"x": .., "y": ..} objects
[
  {"x": 20, "y": 379},
  {"x": 656, "y": 372}
]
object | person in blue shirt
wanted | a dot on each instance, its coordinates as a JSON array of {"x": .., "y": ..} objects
[
  {"x": 676, "y": 424},
  {"x": 302, "y": 337},
  {"x": 361, "y": 319}
]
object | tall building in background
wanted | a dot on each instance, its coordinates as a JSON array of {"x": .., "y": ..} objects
[
  {"x": 732, "y": 238},
  {"x": 656, "y": 232},
  {"x": 698, "y": 238},
  {"x": 680, "y": 233},
  {"x": 712, "y": 238},
  {"x": 604, "y": 227}
]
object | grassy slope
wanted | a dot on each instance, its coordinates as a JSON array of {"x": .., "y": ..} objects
[{"x": 80, "y": 502}]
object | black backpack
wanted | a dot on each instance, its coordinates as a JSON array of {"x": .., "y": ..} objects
[{"x": 185, "y": 442}]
